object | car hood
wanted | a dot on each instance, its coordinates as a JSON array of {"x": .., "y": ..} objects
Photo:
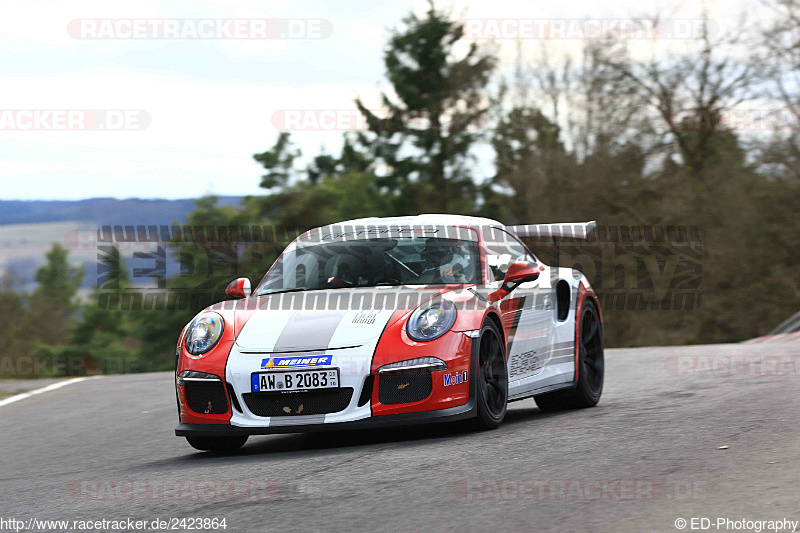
[{"x": 325, "y": 319}]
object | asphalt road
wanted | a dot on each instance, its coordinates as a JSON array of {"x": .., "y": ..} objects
[{"x": 644, "y": 457}]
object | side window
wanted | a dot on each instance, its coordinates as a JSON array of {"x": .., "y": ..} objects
[{"x": 503, "y": 249}]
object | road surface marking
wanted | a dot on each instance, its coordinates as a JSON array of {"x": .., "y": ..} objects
[{"x": 48, "y": 388}]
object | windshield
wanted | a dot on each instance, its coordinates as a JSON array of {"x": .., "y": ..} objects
[{"x": 375, "y": 262}]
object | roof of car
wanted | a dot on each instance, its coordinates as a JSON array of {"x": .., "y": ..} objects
[{"x": 425, "y": 219}]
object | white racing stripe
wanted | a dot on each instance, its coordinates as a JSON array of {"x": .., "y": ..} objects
[{"x": 48, "y": 388}]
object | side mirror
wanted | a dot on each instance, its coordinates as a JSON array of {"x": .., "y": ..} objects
[
  {"x": 239, "y": 288},
  {"x": 517, "y": 274}
]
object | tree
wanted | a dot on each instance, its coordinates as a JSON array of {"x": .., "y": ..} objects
[
  {"x": 532, "y": 166},
  {"x": 782, "y": 45},
  {"x": 328, "y": 190},
  {"x": 52, "y": 304},
  {"x": 14, "y": 336},
  {"x": 691, "y": 91},
  {"x": 780, "y": 52},
  {"x": 570, "y": 140},
  {"x": 224, "y": 249},
  {"x": 58, "y": 281},
  {"x": 333, "y": 198},
  {"x": 279, "y": 162},
  {"x": 107, "y": 337},
  {"x": 426, "y": 130}
]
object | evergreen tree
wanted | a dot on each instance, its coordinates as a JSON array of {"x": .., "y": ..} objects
[
  {"x": 52, "y": 304},
  {"x": 424, "y": 134}
]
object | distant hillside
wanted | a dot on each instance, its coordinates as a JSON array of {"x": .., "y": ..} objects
[
  {"x": 28, "y": 230},
  {"x": 100, "y": 211}
]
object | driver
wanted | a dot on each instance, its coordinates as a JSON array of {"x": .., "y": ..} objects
[
  {"x": 342, "y": 273},
  {"x": 439, "y": 255}
]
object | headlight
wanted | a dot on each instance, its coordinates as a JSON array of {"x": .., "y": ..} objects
[
  {"x": 204, "y": 332},
  {"x": 431, "y": 321}
]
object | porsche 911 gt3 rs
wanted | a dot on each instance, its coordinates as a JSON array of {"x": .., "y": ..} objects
[{"x": 391, "y": 321}]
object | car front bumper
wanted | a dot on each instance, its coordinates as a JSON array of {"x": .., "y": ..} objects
[{"x": 450, "y": 414}]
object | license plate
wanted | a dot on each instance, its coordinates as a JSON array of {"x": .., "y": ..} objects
[{"x": 292, "y": 381}]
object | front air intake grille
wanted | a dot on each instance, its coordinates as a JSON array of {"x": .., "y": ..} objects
[
  {"x": 313, "y": 402},
  {"x": 404, "y": 386},
  {"x": 206, "y": 397}
]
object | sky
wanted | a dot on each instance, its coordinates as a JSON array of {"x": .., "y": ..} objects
[{"x": 84, "y": 117}]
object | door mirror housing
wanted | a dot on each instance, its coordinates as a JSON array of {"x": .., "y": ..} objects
[
  {"x": 239, "y": 288},
  {"x": 516, "y": 274}
]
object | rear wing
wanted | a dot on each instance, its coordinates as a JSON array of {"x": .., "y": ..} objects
[{"x": 575, "y": 230}]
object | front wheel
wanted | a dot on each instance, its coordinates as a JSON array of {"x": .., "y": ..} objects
[
  {"x": 217, "y": 444},
  {"x": 491, "y": 378}
]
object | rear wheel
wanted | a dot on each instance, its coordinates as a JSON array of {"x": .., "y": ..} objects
[
  {"x": 217, "y": 444},
  {"x": 491, "y": 378},
  {"x": 591, "y": 367}
]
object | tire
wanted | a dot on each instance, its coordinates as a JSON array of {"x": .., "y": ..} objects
[
  {"x": 491, "y": 378},
  {"x": 591, "y": 367},
  {"x": 217, "y": 444}
]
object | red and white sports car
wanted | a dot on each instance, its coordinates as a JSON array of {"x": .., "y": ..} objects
[{"x": 387, "y": 321}]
